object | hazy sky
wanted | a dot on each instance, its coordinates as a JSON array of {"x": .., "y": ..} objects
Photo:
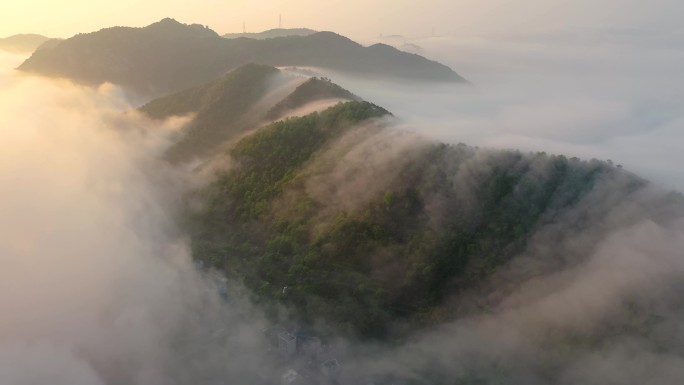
[{"x": 408, "y": 17}]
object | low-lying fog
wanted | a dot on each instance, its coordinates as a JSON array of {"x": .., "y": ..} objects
[
  {"x": 96, "y": 284},
  {"x": 595, "y": 93}
]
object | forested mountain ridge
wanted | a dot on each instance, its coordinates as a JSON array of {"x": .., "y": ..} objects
[
  {"x": 343, "y": 220},
  {"x": 340, "y": 225},
  {"x": 363, "y": 230},
  {"x": 235, "y": 103},
  {"x": 168, "y": 56}
]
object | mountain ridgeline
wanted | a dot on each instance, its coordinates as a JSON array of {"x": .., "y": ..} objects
[
  {"x": 380, "y": 245},
  {"x": 359, "y": 229},
  {"x": 311, "y": 90},
  {"x": 236, "y": 103},
  {"x": 22, "y": 43},
  {"x": 271, "y": 33},
  {"x": 168, "y": 56}
]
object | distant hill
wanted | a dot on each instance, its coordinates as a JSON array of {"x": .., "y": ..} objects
[
  {"x": 162, "y": 57},
  {"x": 222, "y": 109},
  {"x": 410, "y": 47},
  {"x": 23, "y": 43},
  {"x": 235, "y": 103},
  {"x": 271, "y": 33},
  {"x": 311, "y": 90},
  {"x": 168, "y": 56}
]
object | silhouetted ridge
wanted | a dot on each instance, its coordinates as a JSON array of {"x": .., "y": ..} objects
[
  {"x": 168, "y": 56},
  {"x": 427, "y": 224},
  {"x": 271, "y": 33},
  {"x": 156, "y": 59},
  {"x": 169, "y": 25},
  {"x": 222, "y": 109},
  {"x": 22, "y": 43}
]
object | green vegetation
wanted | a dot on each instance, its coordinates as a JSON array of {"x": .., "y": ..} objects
[
  {"x": 270, "y": 158},
  {"x": 389, "y": 265},
  {"x": 236, "y": 230}
]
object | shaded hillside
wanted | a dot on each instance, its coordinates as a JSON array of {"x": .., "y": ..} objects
[
  {"x": 169, "y": 56},
  {"x": 311, "y": 90},
  {"x": 162, "y": 57},
  {"x": 222, "y": 109},
  {"x": 372, "y": 231},
  {"x": 271, "y": 33},
  {"x": 23, "y": 43},
  {"x": 235, "y": 103},
  {"x": 233, "y": 232},
  {"x": 49, "y": 44}
]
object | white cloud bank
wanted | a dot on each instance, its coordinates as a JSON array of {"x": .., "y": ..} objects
[
  {"x": 96, "y": 284},
  {"x": 605, "y": 93}
]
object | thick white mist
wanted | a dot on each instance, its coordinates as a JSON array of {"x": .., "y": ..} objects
[
  {"x": 605, "y": 93},
  {"x": 96, "y": 287}
]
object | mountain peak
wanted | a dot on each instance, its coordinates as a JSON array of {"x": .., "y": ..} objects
[
  {"x": 332, "y": 36},
  {"x": 168, "y": 24},
  {"x": 165, "y": 23},
  {"x": 168, "y": 20}
]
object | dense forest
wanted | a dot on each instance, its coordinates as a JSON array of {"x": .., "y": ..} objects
[
  {"x": 442, "y": 224},
  {"x": 340, "y": 225}
]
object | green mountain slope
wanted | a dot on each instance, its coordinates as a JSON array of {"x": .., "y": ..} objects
[
  {"x": 338, "y": 225},
  {"x": 332, "y": 216},
  {"x": 168, "y": 56},
  {"x": 237, "y": 102},
  {"x": 237, "y": 231}
]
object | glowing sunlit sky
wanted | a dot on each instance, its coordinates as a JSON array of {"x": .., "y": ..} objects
[{"x": 355, "y": 18}]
